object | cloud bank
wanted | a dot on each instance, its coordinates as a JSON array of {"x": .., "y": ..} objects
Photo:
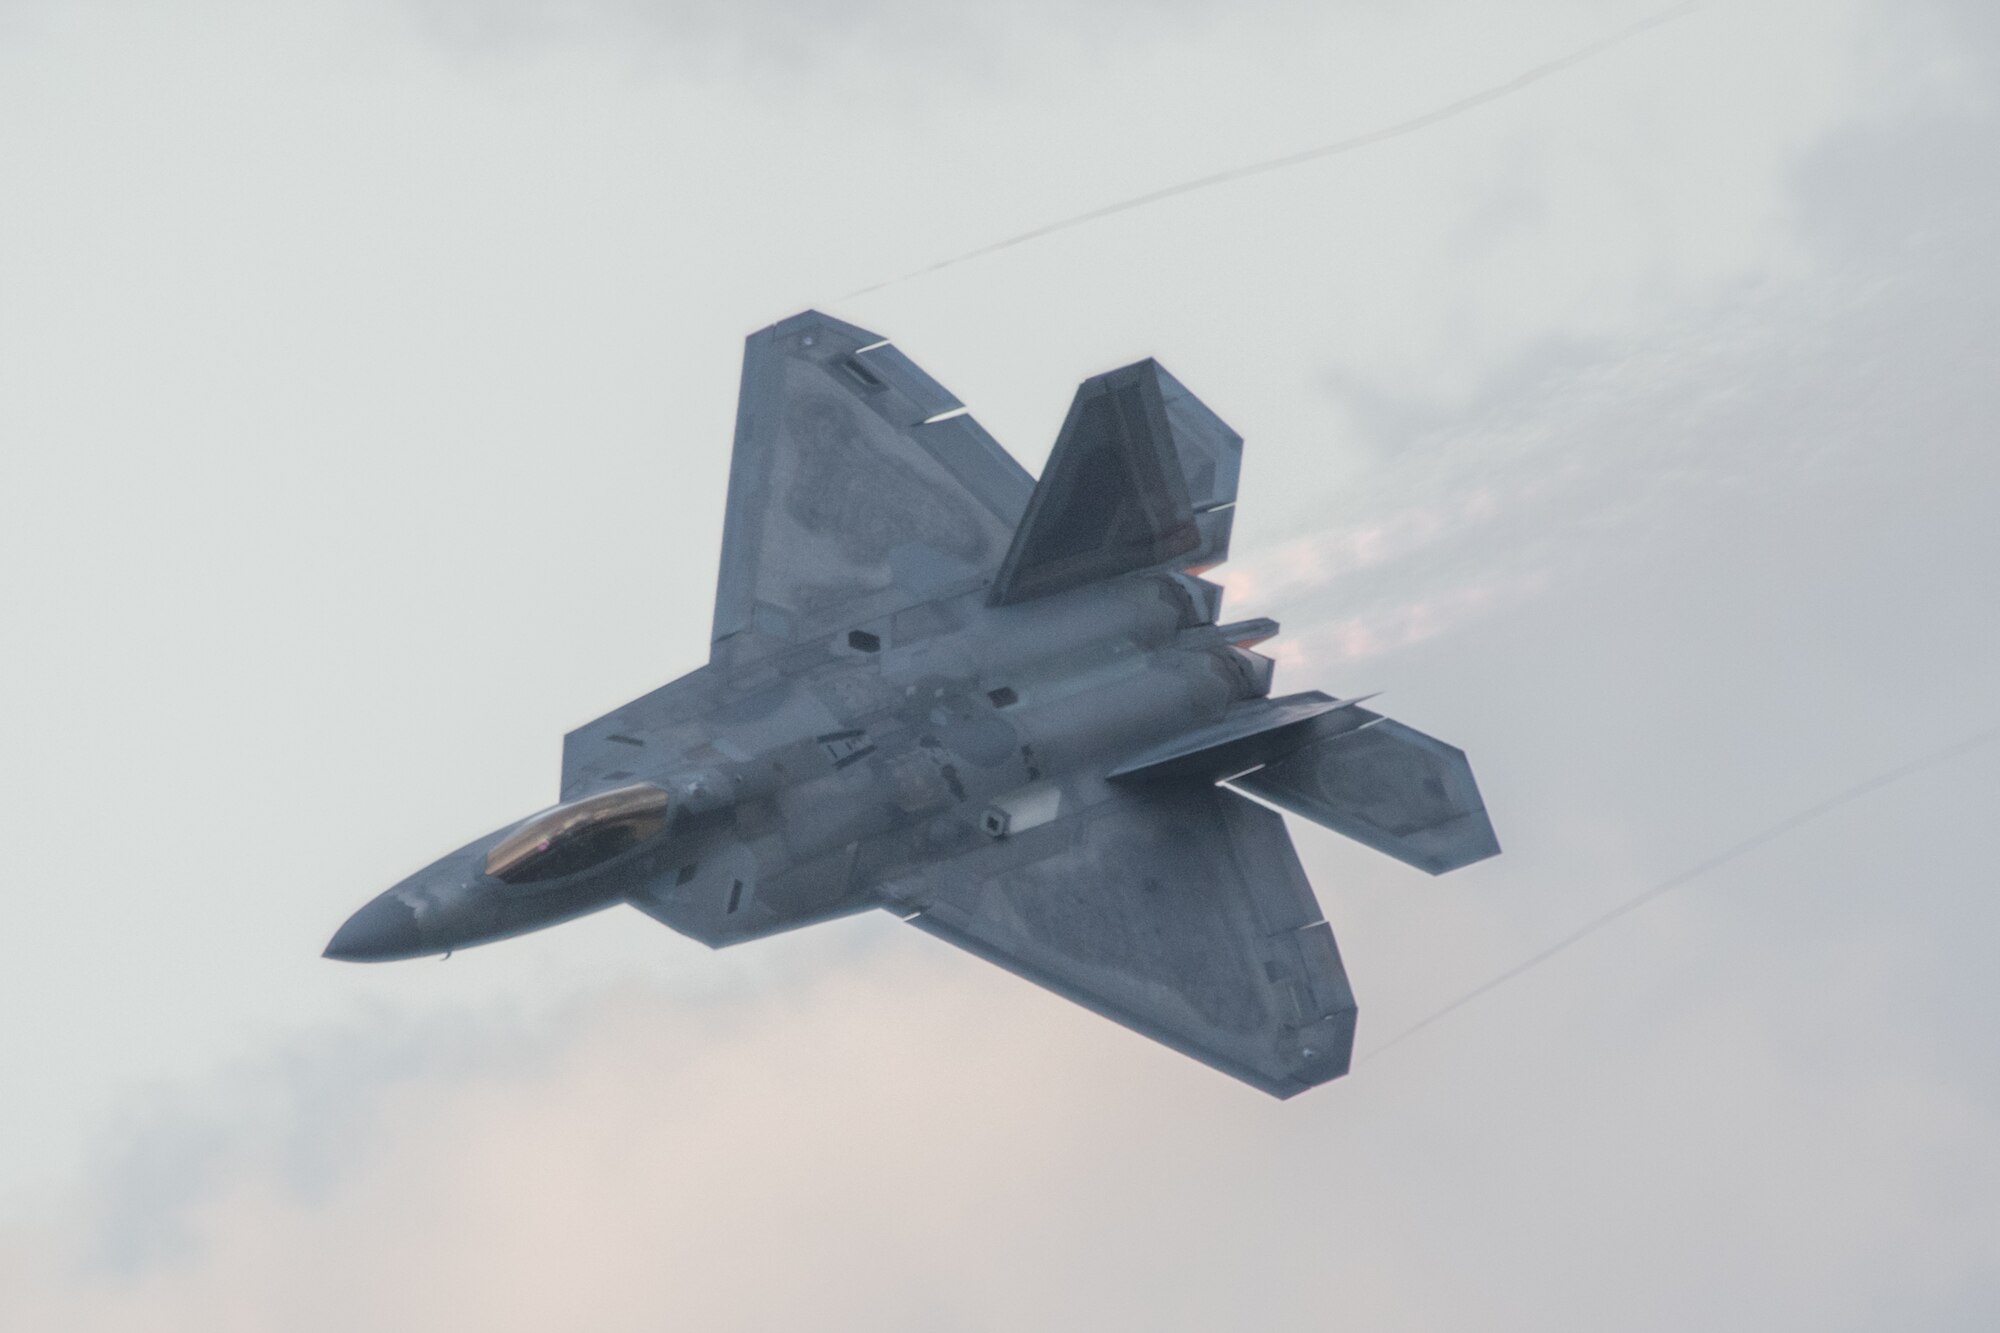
[{"x": 1664, "y": 575}]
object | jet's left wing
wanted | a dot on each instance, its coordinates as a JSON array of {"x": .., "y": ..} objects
[
  {"x": 1179, "y": 910},
  {"x": 858, "y": 488}
]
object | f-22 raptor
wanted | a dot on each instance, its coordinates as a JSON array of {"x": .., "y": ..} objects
[{"x": 1003, "y": 709}]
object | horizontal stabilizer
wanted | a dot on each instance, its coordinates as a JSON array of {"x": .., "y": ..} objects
[
  {"x": 1386, "y": 785},
  {"x": 1251, "y": 734}
]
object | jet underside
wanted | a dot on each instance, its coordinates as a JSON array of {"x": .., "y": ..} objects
[{"x": 1003, "y": 709}]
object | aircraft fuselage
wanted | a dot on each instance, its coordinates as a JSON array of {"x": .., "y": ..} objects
[{"x": 825, "y": 771}]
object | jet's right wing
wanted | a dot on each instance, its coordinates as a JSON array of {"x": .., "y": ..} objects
[
  {"x": 1179, "y": 910},
  {"x": 637, "y": 735},
  {"x": 858, "y": 488}
]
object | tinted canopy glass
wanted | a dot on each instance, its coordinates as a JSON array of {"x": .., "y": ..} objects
[{"x": 577, "y": 836}]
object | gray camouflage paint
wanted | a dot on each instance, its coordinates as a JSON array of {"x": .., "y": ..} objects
[{"x": 999, "y": 708}]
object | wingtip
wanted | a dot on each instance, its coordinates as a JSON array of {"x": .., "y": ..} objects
[{"x": 816, "y": 325}]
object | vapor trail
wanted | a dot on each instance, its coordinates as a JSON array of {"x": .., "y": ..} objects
[
  {"x": 1696, "y": 871},
  {"x": 1425, "y": 121}
]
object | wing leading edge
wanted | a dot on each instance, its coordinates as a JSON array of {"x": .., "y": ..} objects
[{"x": 1179, "y": 911}]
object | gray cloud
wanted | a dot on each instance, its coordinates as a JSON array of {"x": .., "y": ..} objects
[
  {"x": 1662, "y": 585},
  {"x": 793, "y": 37}
]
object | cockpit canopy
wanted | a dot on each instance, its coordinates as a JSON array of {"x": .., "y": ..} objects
[{"x": 580, "y": 835}]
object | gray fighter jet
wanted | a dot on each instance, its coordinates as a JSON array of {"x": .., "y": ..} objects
[{"x": 1003, "y": 709}]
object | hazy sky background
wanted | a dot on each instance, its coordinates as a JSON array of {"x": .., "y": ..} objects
[{"x": 367, "y": 373}]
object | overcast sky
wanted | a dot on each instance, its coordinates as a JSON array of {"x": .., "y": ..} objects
[{"x": 367, "y": 374}]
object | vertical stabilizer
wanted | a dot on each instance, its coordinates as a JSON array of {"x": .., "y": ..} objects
[{"x": 1143, "y": 476}]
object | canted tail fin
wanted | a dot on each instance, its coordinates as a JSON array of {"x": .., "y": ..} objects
[{"x": 1143, "y": 476}]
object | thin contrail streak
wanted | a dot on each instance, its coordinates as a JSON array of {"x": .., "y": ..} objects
[
  {"x": 1423, "y": 122},
  {"x": 1716, "y": 862}
]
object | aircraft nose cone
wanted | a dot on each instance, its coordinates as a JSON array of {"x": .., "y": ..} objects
[{"x": 385, "y": 929}]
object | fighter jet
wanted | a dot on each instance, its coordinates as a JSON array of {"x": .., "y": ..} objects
[{"x": 1004, "y": 709}]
